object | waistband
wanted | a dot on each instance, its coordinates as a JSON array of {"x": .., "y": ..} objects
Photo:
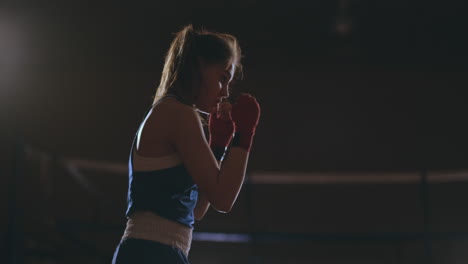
[{"x": 150, "y": 226}]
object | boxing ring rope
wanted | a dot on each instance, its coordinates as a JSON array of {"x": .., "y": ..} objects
[{"x": 74, "y": 166}]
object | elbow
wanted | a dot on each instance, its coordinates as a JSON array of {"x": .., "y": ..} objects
[
  {"x": 221, "y": 201},
  {"x": 225, "y": 211},
  {"x": 224, "y": 208},
  {"x": 198, "y": 217}
]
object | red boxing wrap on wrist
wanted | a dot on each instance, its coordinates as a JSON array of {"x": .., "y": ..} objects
[{"x": 245, "y": 114}]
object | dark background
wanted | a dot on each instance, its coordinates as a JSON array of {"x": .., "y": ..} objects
[{"x": 389, "y": 94}]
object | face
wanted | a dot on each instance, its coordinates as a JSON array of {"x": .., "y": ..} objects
[{"x": 216, "y": 79}]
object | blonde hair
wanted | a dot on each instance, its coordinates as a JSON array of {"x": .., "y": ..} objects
[{"x": 181, "y": 72}]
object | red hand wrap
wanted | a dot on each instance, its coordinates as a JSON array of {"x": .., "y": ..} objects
[
  {"x": 245, "y": 114},
  {"x": 221, "y": 132}
]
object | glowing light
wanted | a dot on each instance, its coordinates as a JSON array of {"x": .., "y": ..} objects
[
  {"x": 221, "y": 237},
  {"x": 343, "y": 22},
  {"x": 12, "y": 44}
]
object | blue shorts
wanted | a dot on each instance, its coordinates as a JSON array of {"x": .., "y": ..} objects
[{"x": 132, "y": 250}]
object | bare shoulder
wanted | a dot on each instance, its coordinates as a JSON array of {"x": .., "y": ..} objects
[
  {"x": 165, "y": 127},
  {"x": 174, "y": 109},
  {"x": 178, "y": 115}
]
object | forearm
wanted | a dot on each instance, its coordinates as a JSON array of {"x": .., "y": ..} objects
[
  {"x": 202, "y": 203},
  {"x": 231, "y": 176},
  {"x": 245, "y": 115}
]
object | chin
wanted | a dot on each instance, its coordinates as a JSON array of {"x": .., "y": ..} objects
[{"x": 206, "y": 109}]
